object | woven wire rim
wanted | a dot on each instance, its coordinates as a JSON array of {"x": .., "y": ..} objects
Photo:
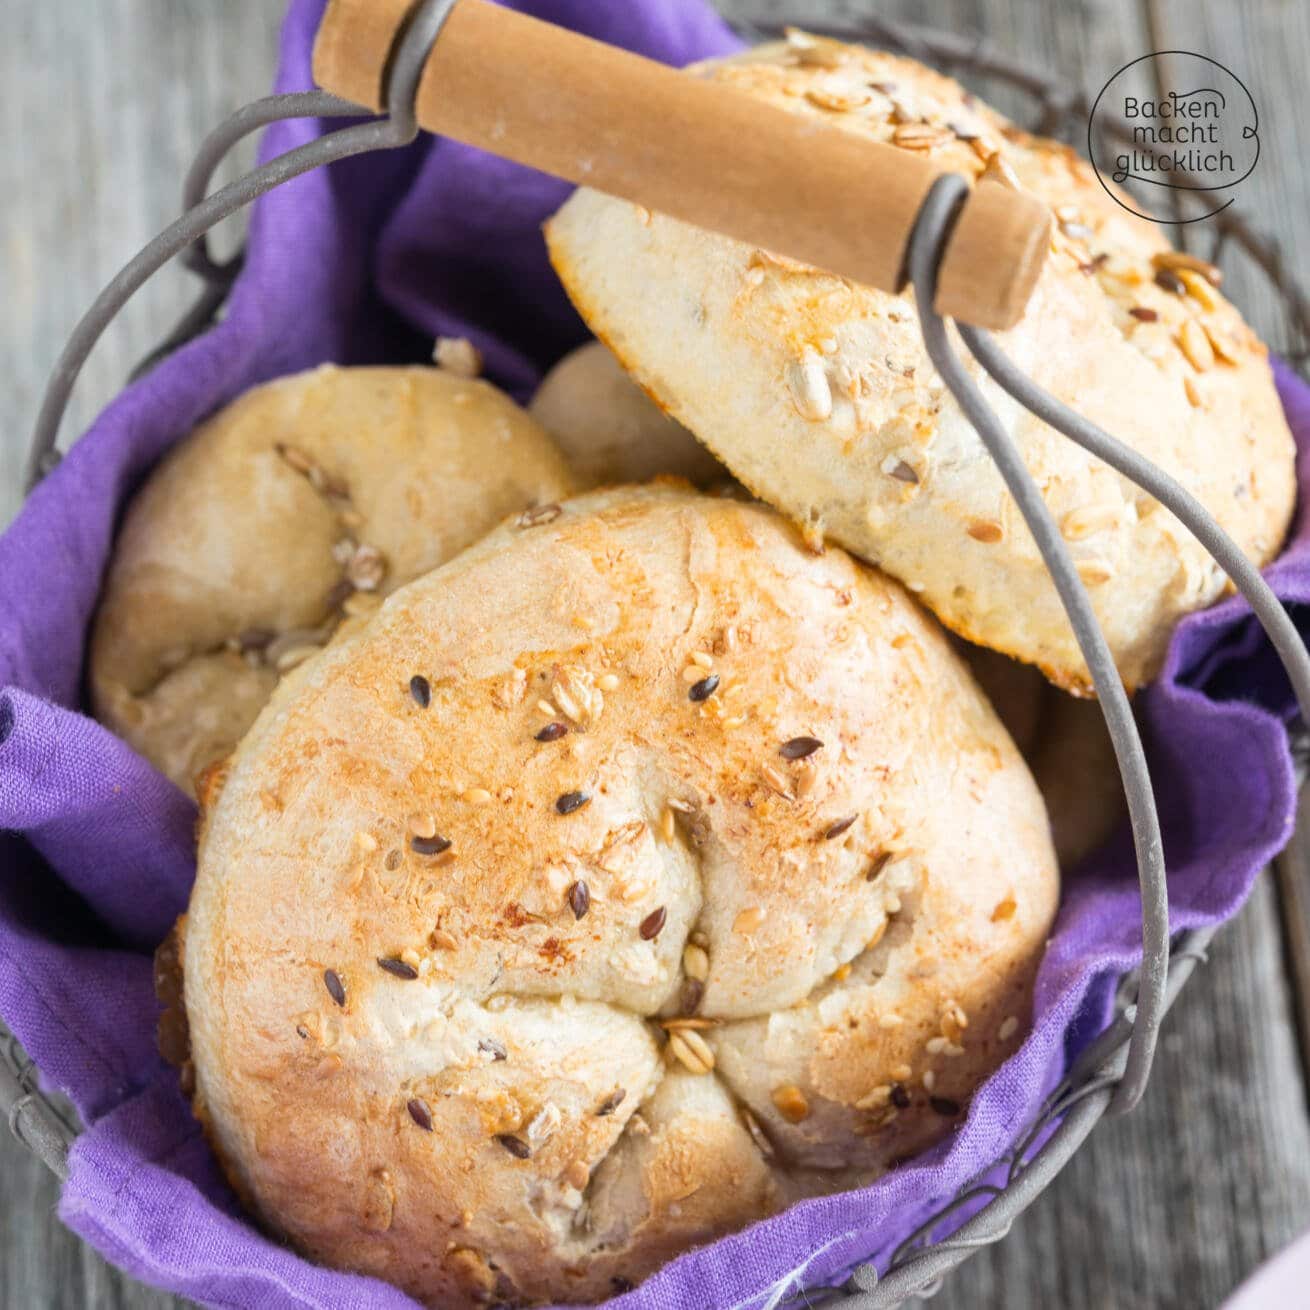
[{"x": 1083, "y": 1096}]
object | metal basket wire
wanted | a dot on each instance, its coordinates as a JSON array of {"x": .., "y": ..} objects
[{"x": 1111, "y": 1073}]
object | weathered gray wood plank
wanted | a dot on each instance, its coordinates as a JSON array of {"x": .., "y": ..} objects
[
  {"x": 1168, "y": 1208},
  {"x": 1265, "y": 44},
  {"x": 106, "y": 103}
]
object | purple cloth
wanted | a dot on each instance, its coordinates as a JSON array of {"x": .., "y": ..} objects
[{"x": 368, "y": 262}]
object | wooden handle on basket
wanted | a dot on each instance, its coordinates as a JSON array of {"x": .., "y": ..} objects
[{"x": 697, "y": 150}]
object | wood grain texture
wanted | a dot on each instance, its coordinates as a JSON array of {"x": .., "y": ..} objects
[{"x": 1168, "y": 1208}]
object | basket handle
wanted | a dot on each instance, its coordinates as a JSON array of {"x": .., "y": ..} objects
[{"x": 694, "y": 149}]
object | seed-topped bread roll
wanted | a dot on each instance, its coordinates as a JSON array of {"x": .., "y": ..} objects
[
  {"x": 610, "y": 882},
  {"x": 610, "y": 430},
  {"x": 820, "y": 397},
  {"x": 1067, "y": 747},
  {"x": 302, "y": 502}
]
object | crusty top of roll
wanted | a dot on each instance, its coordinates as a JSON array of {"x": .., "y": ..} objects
[
  {"x": 632, "y": 874},
  {"x": 818, "y": 394},
  {"x": 302, "y": 501}
]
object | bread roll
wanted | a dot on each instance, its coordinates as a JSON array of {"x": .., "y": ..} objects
[
  {"x": 820, "y": 397},
  {"x": 609, "y": 885},
  {"x": 1067, "y": 747},
  {"x": 303, "y": 501},
  {"x": 610, "y": 430}
]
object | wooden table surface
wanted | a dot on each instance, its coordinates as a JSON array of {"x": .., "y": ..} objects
[{"x": 1170, "y": 1207}]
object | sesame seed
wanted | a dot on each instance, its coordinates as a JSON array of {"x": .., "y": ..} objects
[
  {"x": 477, "y": 796},
  {"x": 879, "y": 863},
  {"x": 579, "y": 899},
  {"x": 516, "y": 1146},
  {"x": 546, "y": 708},
  {"x": 692, "y": 673},
  {"x": 791, "y": 1103},
  {"x": 539, "y": 514},
  {"x": 397, "y": 968},
  {"x": 1143, "y": 314},
  {"x": 490, "y": 1046},
  {"x": 702, "y": 658},
  {"x": 936, "y": 1045},
  {"x": 667, "y": 824},
  {"x": 1009, "y": 1026},
  {"x": 434, "y": 845},
  {"x": 422, "y": 825},
  {"x": 841, "y": 826},
  {"x": 336, "y": 989},
  {"x": 421, "y": 1114},
  {"x": 889, "y": 1021},
  {"x": 691, "y": 995},
  {"x": 393, "y": 860},
  {"x": 366, "y": 841},
  {"x": 945, "y": 1107},
  {"x": 875, "y": 1098},
  {"x": 929, "y": 1080},
  {"x": 552, "y": 731},
  {"x": 901, "y": 1072},
  {"x": 799, "y": 748},
  {"x": 653, "y": 924},
  {"x": 988, "y": 531},
  {"x": 572, "y": 800},
  {"x": 900, "y": 1098},
  {"x": 421, "y": 689},
  {"x": 609, "y": 682},
  {"x": 440, "y": 940},
  {"x": 705, "y": 688},
  {"x": 611, "y": 1103}
]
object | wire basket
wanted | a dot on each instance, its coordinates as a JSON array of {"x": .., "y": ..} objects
[{"x": 1111, "y": 1072}]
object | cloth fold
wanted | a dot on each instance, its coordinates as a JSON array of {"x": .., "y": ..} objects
[{"x": 363, "y": 262}]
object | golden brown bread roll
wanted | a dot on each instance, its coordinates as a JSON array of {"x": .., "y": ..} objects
[
  {"x": 610, "y": 430},
  {"x": 631, "y": 874},
  {"x": 820, "y": 397},
  {"x": 303, "y": 501},
  {"x": 1067, "y": 747}
]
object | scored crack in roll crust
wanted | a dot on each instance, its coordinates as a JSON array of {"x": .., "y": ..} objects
[
  {"x": 818, "y": 394},
  {"x": 297, "y": 506},
  {"x": 610, "y": 885}
]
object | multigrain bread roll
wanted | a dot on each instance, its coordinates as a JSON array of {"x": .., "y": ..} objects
[
  {"x": 1066, "y": 745},
  {"x": 820, "y": 397},
  {"x": 610, "y": 430},
  {"x": 300, "y": 504},
  {"x": 628, "y": 876}
]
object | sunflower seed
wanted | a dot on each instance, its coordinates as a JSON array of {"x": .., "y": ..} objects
[
  {"x": 810, "y": 393},
  {"x": 691, "y": 1051}
]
